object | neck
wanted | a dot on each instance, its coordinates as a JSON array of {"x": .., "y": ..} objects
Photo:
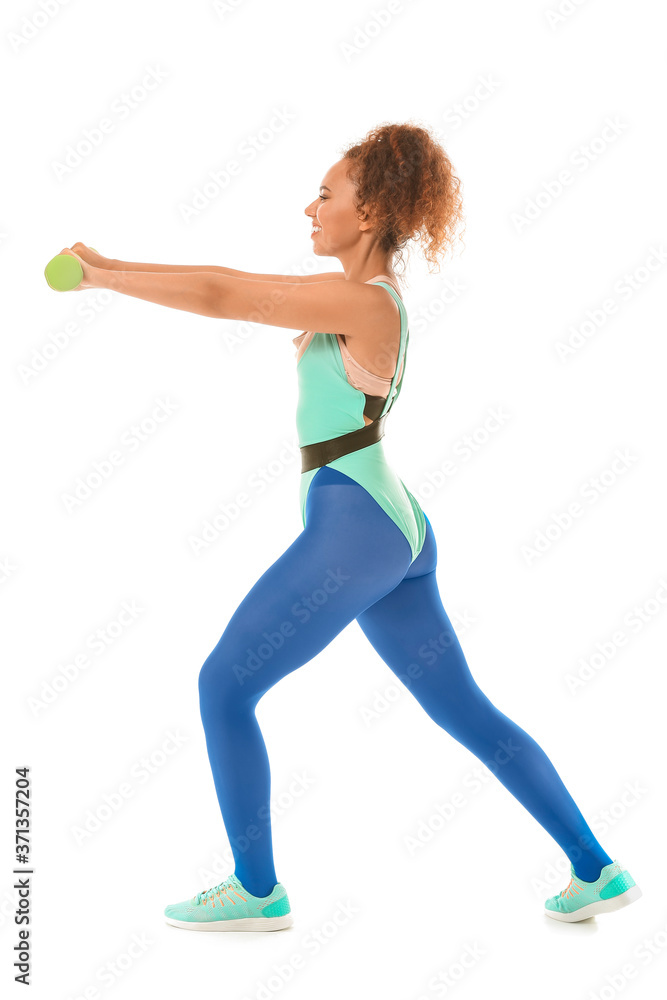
[{"x": 358, "y": 267}]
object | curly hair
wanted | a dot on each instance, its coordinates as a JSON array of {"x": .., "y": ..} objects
[{"x": 406, "y": 180}]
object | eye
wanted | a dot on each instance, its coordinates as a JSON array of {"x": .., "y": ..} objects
[{"x": 322, "y": 197}]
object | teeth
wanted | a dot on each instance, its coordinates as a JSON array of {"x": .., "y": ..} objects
[{"x": 317, "y": 229}]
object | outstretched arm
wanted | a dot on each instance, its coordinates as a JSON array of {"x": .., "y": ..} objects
[
  {"x": 111, "y": 264},
  {"x": 327, "y": 306},
  {"x": 295, "y": 279}
]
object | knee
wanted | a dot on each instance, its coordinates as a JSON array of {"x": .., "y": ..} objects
[{"x": 217, "y": 682}]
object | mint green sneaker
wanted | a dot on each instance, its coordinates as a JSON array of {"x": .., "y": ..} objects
[
  {"x": 614, "y": 889},
  {"x": 229, "y": 907}
]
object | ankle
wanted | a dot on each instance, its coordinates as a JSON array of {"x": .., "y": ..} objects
[
  {"x": 259, "y": 889},
  {"x": 590, "y": 869}
]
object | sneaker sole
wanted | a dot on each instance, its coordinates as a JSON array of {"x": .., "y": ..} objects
[
  {"x": 602, "y": 906},
  {"x": 240, "y": 924}
]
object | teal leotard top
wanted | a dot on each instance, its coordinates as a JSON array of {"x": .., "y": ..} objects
[{"x": 330, "y": 406}]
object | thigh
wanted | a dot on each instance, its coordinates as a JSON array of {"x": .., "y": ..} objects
[
  {"x": 411, "y": 631},
  {"x": 346, "y": 558}
]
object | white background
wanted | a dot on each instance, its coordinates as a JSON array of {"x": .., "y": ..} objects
[{"x": 552, "y": 86}]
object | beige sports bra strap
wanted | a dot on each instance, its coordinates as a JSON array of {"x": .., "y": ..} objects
[{"x": 383, "y": 277}]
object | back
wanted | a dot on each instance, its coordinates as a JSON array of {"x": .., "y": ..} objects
[{"x": 329, "y": 406}]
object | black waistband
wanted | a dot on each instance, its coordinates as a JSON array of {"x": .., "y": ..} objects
[{"x": 313, "y": 456}]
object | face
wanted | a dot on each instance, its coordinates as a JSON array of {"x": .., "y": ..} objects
[{"x": 335, "y": 213}]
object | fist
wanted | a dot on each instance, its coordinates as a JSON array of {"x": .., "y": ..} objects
[
  {"x": 87, "y": 254},
  {"x": 87, "y": 269}
]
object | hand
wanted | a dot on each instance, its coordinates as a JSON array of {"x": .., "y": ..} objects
[
  {"x": 90, "y": 256},
  {"x": 89, "y": 271}
]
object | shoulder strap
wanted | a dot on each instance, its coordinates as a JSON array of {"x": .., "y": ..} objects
[{"x": 395, "y": 388}]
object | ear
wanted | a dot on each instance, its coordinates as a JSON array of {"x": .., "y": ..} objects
[{"x": 365, "y": 220}]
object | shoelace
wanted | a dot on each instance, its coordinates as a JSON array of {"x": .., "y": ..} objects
[
  {"x": 565, "y": 890},
  {"x": 577, "y": 885},
  {"x": 209, "y": 893}
]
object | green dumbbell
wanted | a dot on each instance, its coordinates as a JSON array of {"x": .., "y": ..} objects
[{"x": 63, "y": 273}]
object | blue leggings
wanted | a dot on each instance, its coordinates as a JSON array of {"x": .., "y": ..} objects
[{"x": 351, "y": 561}]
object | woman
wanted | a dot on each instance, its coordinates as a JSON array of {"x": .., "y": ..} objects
[{"x": 367, "y": 550}]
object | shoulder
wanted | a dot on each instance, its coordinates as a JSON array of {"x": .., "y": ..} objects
[
  {"x": 327, "y": 305},
  {"x": 381, "y": 318}
]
